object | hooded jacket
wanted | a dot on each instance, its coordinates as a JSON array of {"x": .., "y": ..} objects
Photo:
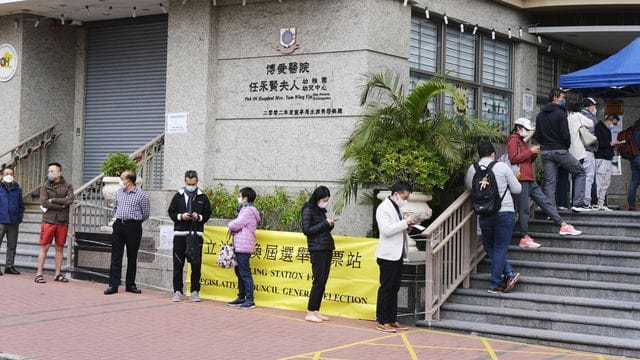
[
  {"x": 243, "y": 229},
  {"x": 520, "y": 154},
  {"x": 11, "y": 206},
  {"x": 552, "y": 128},
  {"x": 178, "y": 206}
]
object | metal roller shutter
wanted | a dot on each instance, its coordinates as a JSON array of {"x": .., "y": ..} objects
[{"x": 125, "y": 90}]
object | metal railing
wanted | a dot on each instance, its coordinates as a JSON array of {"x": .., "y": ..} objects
[
  {"x": 453, "y": 249},
  {"x": 29, "y": 160},
  {"x": 90, "y": 213}
]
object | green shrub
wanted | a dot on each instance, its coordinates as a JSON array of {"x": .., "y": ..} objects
[
  {"x": 116, "y": 163},
  {"x": 279, "y": 211}
]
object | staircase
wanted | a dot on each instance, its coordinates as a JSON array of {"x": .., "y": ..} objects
[{"x": 579, "y": 292}]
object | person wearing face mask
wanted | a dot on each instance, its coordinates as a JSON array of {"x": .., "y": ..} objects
[
  {"x": 552, "y": 133},
  {"x": 190, "y": 209},
  {"x": 131, "y": 208},
  {"x": 243, "y": 231},
  {"x": 604, "y": 155},
  {"x": 56, "y": 195},
  {"x": 589, "y": 110},
  {"x": 524, "y": 156},
  {"x": 11, "y": 212},
  {"x": 391, "y": 251},
  {"x": 317, "y": 227}
]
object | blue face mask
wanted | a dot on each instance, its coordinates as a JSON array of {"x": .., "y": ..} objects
[
  {"x": 563, "y": 102},
  {"x": 191, "y": 188}
]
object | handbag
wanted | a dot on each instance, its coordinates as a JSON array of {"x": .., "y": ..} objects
[
  {"x": 227, "y": 256},
  {"x": 193, "y": 251},
  {"x": 587, "y": 137}
]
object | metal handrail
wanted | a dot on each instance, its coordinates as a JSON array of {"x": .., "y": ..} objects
[
  {"x": 453, "y": 249},
  {"x": 28, "y": 159}
]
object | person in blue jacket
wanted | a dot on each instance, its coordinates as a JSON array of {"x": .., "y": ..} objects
[{"x": 11, "y": 212}]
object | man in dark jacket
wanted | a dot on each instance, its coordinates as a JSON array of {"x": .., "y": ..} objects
[
  {"x": 190, "y": 209},
  {"x": 604, "y": 155},
  {"x": 56, "y": 195},
  {"x": 552, "y": 133},
  {"x": 11, "y": 211}
]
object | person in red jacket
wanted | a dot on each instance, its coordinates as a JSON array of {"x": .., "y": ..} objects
[{"x": 523, "y": 156}]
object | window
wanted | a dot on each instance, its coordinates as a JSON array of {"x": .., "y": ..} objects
[
  {"x": 460, "y": 54},
  {"x": 546, "y": 76},
  {"x": 476, "y": 63},
  {"x": 433, "y": 103},
  {"x": 496, "y": 63},
  {"x": 424, "y": 45}
]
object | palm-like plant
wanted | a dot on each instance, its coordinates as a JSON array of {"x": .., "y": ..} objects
[{"x": 399, "y": 139}]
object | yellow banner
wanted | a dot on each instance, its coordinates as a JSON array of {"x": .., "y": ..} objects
[{"x": 281, "y": 269}]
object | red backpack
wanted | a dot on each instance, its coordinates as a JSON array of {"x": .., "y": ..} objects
[{"x": 628, "y": 148}]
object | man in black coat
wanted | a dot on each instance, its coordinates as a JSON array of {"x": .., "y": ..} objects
[
  {"x": 604, "y": 155},
  {"x": 552, "y": 133},
  {"x": 190, "y": 209}
]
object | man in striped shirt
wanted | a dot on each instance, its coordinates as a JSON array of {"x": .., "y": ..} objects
[{"x": 131, "y": 208}]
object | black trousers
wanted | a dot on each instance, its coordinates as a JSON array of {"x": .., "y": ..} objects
[
  {"x": 124, "y": 234},
  {"x": 179, "y": 255},
  {"x": 390, "y": 280},
  {"x": 320, "y": 266}
]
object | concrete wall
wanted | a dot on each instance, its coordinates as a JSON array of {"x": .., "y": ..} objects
[
  {"x": 10, "y": 90},
  {"x": 48, "y": 87}
]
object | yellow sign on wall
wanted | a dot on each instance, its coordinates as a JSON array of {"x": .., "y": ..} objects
[{"x": 281, "y": 269}]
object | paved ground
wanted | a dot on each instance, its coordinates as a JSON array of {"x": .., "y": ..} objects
[{"x": 76, "y": 321}]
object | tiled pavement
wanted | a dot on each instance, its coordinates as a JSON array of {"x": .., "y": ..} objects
[{"x": 76, "y": 321}]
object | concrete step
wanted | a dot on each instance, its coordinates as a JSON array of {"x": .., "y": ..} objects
[
  {"x": 609, "y": 227},
  {"x": 568, "y": 339},
  {"x": 567, "y": 287},
  {"x": 585, "y": 272},
  {"x": 548, "y": 320},
  {"x": 606, "y": 216},
  {"x": 592, "y": 242},
  {"x": 542, "y": 302},
  {"x": 575, "y": 256}
]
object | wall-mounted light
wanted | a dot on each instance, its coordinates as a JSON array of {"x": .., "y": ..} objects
[
  {"x": 405, "y": 2},
  {"x": 549, "y": 47},
  {"x": 461, "y": 28},
  {"x": 15, "y": 23},
  {"x": 446, "y": 19},
  {"x": 133, "y": 12},
  {"x": 62, "y": 18},
  {"x": 37, "y": 23},
  {"x": 520, "y": 31},
  {"x": 539, "y": 39},
  {"x": 164, "y": 10},
  {"x": 493, "y": 34},
  {"x": 87, "y": 8},
  {"x": 426, "y": 12},
  {"x": 509, "y": 32},
  {"x": 475, "y": 29}
]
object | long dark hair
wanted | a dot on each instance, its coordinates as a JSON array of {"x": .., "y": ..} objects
[{"x": 320, "y": 192}]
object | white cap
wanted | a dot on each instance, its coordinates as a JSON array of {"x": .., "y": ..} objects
[{"x": 524, "y": 122}]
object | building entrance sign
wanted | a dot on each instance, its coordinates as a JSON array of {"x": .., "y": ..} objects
[{"x": 8, "y": 62}]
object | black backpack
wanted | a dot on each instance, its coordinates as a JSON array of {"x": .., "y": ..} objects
[{"x": 484, "y": 191}]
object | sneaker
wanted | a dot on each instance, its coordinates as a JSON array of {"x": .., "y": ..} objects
[
  {"x": 583, "y": 208},
  {"x": 237, "y": 302},
  {"x": 527, "y": 242},
  {"x": 247, "y": 304},
  {"x": 177, "y": 296},
  {"x": 195, "y": 296},
  {"x": 386, "y": 328},
  {"x": 311, "y": 317},
  {"x": 562, "y": 208},
  {"x": 512, "y": 280},
  {"x": 569, "y": 230},
  {"x": 604, "y": 208},
  {"x": 11, "y": 271},
  {"x": 497, "y": 290}
]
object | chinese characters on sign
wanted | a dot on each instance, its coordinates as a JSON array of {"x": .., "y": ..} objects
[{"x": 291, "y": 89}]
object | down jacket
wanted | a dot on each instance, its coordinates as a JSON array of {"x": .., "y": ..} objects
[
  {"x": 243, "y": 229},
  {"x": 11, "y": 206},
  {"x": 316, "y": 227}
]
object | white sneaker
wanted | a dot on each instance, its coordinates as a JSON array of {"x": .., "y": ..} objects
[
  {"x": 177, "y": 296},
  {"x": 195, "y": 296},
  {"x": 604, "y": 208}
]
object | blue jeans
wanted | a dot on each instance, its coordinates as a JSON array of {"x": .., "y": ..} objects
[
  {"x": 245, "y": 280},
  {"x": 635, "y": 181},
  {"x": 496, "y": 235}
]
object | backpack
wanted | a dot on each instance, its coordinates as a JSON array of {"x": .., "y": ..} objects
[
  {"x": 485, "y": 196},
  {"x": 627, "y": 148}
]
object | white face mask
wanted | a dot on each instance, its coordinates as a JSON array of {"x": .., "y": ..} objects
[
  {"x": 323, "y": 204},
  {"x": 239, "y": 200},
  {"x": 122, "y": 185},
  {"x": 524, "y": 133},
  {"x": 8, "y": 179},
  {"x": 400, "y": 201}
]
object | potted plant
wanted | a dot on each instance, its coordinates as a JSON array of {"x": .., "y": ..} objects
[
  {"x": 112, "y": 167},
  {"x": 399, "y": 139}
]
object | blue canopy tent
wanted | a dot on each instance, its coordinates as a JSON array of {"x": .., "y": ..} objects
[{"x": 615, "y": 76}]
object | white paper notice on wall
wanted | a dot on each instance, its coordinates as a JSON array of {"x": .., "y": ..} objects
[
  {"x": 166, "y": 237},
  {"x": 527, "y": 102},
  {"x": 176, "y": 123}
]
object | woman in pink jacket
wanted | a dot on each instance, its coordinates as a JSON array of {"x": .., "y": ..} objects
[{"x": 243, "y": 230}]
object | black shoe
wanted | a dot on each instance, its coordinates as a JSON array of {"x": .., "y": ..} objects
[
  {"x": 133, "y": 289},
  {"x": 111, "y": 290},
  {"x": 11, "y": 271}
]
